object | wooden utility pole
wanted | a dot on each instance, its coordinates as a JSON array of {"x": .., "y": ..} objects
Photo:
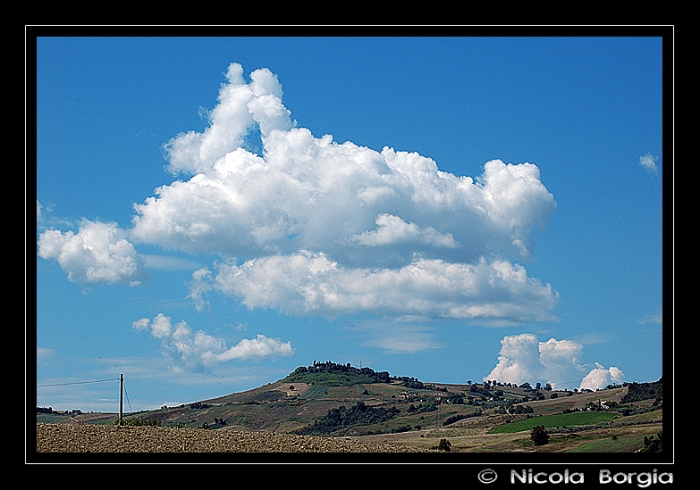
[
  {"x": 121, "y": 399},
  {"x": 437, "y": 415}
]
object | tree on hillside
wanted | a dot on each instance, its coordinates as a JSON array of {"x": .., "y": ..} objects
[
  {"x": 444, "y": 445},
  {"x": 342, "y": 417},
  {"x": 653, "y": 445},
  {"x": 643, "y": 391},
  {"x": 539, "y": 435}
]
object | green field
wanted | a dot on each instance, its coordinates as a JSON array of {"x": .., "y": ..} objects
[
  {"x": 558, "y": 420},
  {"x": 50, "y": 418},
  {"x": 317, "y": 391},
  {"x": 623, "y": 444}
]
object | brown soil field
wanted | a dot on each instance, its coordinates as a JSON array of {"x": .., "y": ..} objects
[{"x": 77, "y": 438}]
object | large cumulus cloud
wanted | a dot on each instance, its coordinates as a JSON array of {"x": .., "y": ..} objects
[
  {"x": 315, "y": 194},
  {"x": 312, "y": 226}
]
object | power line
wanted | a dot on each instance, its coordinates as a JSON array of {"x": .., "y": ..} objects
[
  {"x": 80, "y": 382},
  {"x": 127, "y": 400},
  {"x": 122, "y": 390},
  {"x": 625, "y": 372},
  {"x": 645, "y": 367}
]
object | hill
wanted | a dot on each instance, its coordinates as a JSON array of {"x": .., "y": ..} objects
[
  {"x": 332, "y": 374},
  {"x": 334, "y": 400}
]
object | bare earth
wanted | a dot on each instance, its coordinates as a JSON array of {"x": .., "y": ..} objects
[{"x": 76, "y": 438}]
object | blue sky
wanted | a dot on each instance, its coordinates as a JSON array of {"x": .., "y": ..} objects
[{"x": 213, "y": 212}]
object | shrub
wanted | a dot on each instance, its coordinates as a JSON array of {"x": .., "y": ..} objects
[
  {"x": 539, "y": 435},
  {"x": 653, "y": 445},
  {"x": 444, "y": 445},
  {"x": 198, "y": 405}
]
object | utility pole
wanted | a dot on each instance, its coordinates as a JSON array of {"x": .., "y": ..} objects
[
  {"x": 121, "y": 399},
  {"x": 437, "y": 415}
]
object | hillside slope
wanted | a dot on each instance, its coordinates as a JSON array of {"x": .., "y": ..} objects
[{"x": 338, "y": 400}]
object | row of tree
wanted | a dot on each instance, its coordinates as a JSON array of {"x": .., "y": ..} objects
[
  {"x": 644, "y": 391},
  {"x": 348, "y": 374},
  {"x": 342, "y": 417},
  {"x": 493, "y": 383},
  {"x": 49, "y": 410},
  {"x": 331, "y": 373}
]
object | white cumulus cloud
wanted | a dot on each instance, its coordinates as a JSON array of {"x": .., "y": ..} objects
[
  {"x": 392, "y": 229},
  {"x": 309, "y": 283},
  {"x": 197, "y": 351},
  {"x": 648, "y": 161},
  {"x": 99, "y": 252},
  {"x": 240, "y": 106},
  {"x": 365, "y": 217},
  {"x": 523, "y": 358},
  {"x": 312, "y": 193},
  {"x": 312, "y": 226},
  {"x": 600, "y": 377}
]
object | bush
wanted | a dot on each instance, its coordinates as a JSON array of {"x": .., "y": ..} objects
[
  {"x": 520, "y": 409},
  {"x": 653, "y": 445},
  {"x": 198, "y": 405},
  {"x": 454, "y": 418},
  {"x": 539, "y": 435},
  {"x": 444, "y": 445}
]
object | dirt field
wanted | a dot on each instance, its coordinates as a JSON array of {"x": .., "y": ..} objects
[{"x": 76, "y": 438}]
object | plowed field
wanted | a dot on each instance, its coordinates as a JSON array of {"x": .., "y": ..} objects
[{"x": 76, "y": 438}]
